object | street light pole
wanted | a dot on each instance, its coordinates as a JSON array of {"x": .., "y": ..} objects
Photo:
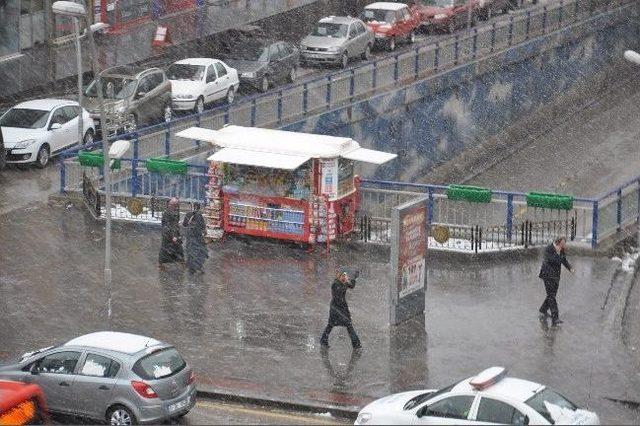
[{"x": 76, "y": 26}]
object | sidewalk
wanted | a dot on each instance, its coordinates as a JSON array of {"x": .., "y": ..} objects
[{"x": 250, "y": 325}]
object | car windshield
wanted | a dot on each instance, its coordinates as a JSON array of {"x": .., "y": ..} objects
[
  {"x": 327, "y": 29},
  {"x": 160, "y": 364},
  {"x": 417, "y": 400},
  {"x": 378, "y": 15},
  {"x": 250, "y": 52},
  {"x": 537, "y": 402},
  {"x": 122, "y": 88},
  {"x": 185, "y": 72},
  {"x": 444, "y": 3},
  {"x": 24, "y": 118}
]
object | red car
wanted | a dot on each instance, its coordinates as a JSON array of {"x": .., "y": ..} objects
[
  {"x": 21, "y": 404},
  {"x": 445, "y": 15},
  {"x": 391, "y": 22}
]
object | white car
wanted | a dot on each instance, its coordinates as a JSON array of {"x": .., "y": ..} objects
[
  {"x": 34, "y": 131},
  {"x": 488, "y": 398},
  {"x": 199, "y": 81}
]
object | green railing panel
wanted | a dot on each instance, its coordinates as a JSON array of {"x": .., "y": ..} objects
[
  {"x": 550, "y": 201},
  {"x": 475, "y": 194}
]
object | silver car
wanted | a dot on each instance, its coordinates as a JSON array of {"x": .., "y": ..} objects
[
  {"x": 118, "y": 377},
  {"x": 335, "y": 40}
]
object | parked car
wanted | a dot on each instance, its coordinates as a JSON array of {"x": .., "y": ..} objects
[
  {"x": 335, "y": 40},
  {"x": 391, "y": 22},
  {"x": 118, "y": 377},
  {"x": 133, "y": 96},
  {"x": 262, "y": 62},
  {"x": 34, "y": 131},
  {"x": 22, "y": 404},
  {"x": 199, "y": 81},
  {"x": 445, "y": 15},
  {"x": 488, "y": 398}
]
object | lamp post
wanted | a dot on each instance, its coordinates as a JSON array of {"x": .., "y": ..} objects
[
  {"x": 634, "y": 57},
  {"x": 75, "y": 10}
]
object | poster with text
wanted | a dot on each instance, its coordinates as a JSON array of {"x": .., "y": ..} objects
[{"x": 411, "y": 251}]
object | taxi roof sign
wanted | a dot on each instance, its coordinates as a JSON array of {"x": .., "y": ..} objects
[{"x": 488, "y": 377}]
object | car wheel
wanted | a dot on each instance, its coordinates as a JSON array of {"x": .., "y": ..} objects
[
  {"x": 43, "y": 156},
  {"x": 264, "y": 84},
  {"x": 231, "y": 95},
  {"x": 344, "y": 61},
  {"x": 167, "y": 113},
  {"x": 367, "y": 53},
  {"x": 392, "y": 44},
  {"x": 120, "y": 416},
  {"x": 293, "y": 75},
  {"x": 412, "y": 37},
  {"x": 88, "y": 138},
  {"x": 199, "y": 107}
]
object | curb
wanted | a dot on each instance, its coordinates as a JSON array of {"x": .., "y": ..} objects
[{"x": 346, "y": 412}]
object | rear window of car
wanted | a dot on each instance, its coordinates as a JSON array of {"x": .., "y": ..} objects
[
  {"x": 160, "y": 364},
  {"x": 537, "y": 402}
]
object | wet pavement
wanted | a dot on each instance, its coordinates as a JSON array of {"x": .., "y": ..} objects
[{"x": 250, "y": 324}]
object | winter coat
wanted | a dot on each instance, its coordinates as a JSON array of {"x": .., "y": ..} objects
[
  {"x": 339, "y": 314},
  {"x": 195, "y": 247},
  {"x": 552, "y": 263},
  {"x": 171, "y": 251}
]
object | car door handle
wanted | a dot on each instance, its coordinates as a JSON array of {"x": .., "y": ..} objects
[
  {"x": 104, "y": 387},
  {"x": 64, "y": 384}
]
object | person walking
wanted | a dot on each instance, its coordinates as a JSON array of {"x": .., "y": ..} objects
[
  {"x": 554, "y": 258},
  {"x": 171, "y": 247},
  {"x": 339, "y": 315},
  {"x": 195, "y": 247}
]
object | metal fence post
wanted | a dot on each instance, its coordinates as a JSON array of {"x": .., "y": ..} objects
[
  {"x": 455, "y": 50},
  {"x": 430, "y": 203},
  {"x": 374, "y": 75},
  {"x": 328, "y": 100},
  {"x": 475, "y": 42},
  {"x": 544, "y": 20},
  {"x": 396, "y": 66},
  {"x": 509, "y": 217},
  {"x": 436, "y": 59},
  {"x": 63, "y": 174},
  {"x": 226, "y": 114},
  {"x": 134, "y": 167},
  {"x": 528, "y": 27},
  {"x": 417, "y": 63},
  {"x": 493, "y": 36},
  {"x": 575, "y": 10},
  {"x": 305, "y": 98},
  {"x": 198, "y": 125},
  {"x": 280, "y": 107},
  {"x": 560, "y": 13},
  {"x": 167, "y": 139},
  {"x": 253, "y": 113},
  {"x": 510, "y": 30},
  {"x": 352, "y": 84},
  {"x": 619, "y": 209},
  {"x": 594, "y": 226}
]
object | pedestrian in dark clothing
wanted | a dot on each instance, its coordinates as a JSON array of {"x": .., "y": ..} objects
[
  {"x": 195, "y": 230},
  {"x": 171, "y": 248},
  {"x": 339, "y": 315},
  {"x": 554, "y": 258}
]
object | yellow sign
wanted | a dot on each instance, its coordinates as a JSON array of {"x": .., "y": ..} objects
[
  {"x": 135, "y": 206},
  {"x": 440, "y": 233},
  {"x": 22, "y": 414}
]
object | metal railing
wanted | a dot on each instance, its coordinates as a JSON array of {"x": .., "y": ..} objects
[{"x": 335, "y": 89}]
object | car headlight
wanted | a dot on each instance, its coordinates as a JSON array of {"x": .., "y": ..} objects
[
  {"x": 24, "y": 144},
  {"x": 363, "y": 418},
  {"x": 440, "y": 16},
  {"x": 248, "y": 75},
  {"x": 333, "y": 49}
]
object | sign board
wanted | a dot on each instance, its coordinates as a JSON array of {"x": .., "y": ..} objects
[
  {"x": 408, "y": 263},
  {"x": 162, "y": 37},
  {"x": 329, "y": 176}
]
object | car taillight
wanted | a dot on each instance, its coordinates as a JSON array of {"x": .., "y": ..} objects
[
  {"x": 143, "y": 389},
  {"x": 192, "y": 379}
]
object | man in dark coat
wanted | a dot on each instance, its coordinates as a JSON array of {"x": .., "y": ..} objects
[
  {"x": 339, "y": 315},
  {"x": 554, "y": 258},
  {"x": 171, "y": 248},
  {"x": 196, "y": 249}
]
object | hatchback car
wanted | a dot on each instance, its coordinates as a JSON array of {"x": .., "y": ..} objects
[
  {"x": 445, "y": 15},
  {"x": 336, "y": 40},
  {"x": 261, "y": 62},
  {"x": 488, "y": 398},
  {"x": 118, "y": 377},
  {"x": 35, "y": 131},
  {"x": 199, "y": 81},
  {"x": 133, "y": 96},
  {"x": 391, "y": 22}
]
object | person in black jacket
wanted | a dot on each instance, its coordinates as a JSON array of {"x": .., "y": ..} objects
[
  {"x": 339, "y": 315},
  {"x": 195, "y": 246},
  {"x": 554, "y": 258},
  {"x": 171, "y": 247}
]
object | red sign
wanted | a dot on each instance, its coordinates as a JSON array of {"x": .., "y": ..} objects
[{"x": 412, "y": 241}]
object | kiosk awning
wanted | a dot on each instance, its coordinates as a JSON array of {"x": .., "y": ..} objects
[
  {"x": 369, "y": 156},
  {"x": 259, "y": 159}
]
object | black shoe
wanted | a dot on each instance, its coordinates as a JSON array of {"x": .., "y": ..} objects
[
  {"x": 556, "y": 322},
  {"x": 324, "y": 344},
  {"x": 542, "y": 316},
  {"x": 357, "y": 347}
]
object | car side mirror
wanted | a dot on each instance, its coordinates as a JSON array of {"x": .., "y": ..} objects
[
  {"x": 526, "y": 420},
  {"x": 140, "y": 95},
  {"x": 55, "y": 126},
  {"x": 34, "y": 369},
  {"x": 422, "y": 412}
]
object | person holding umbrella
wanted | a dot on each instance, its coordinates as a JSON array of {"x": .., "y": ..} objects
[{"x": 339, "y": 315}]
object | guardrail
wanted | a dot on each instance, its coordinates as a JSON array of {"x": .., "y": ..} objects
[{"x": 335, "y": 89}]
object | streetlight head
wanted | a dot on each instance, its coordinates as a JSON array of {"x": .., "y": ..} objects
[
  {"x": 68, "y": 8},
  {"x": 632, "y": 56},
  {"x": 98, "y": 26},
  {"x": 119, "y": 148}
]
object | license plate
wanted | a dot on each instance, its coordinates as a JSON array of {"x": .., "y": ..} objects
[{"x": 178, "y": 405}]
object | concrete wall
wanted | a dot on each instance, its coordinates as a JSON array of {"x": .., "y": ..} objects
[{"x": 437, "y": 119}]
